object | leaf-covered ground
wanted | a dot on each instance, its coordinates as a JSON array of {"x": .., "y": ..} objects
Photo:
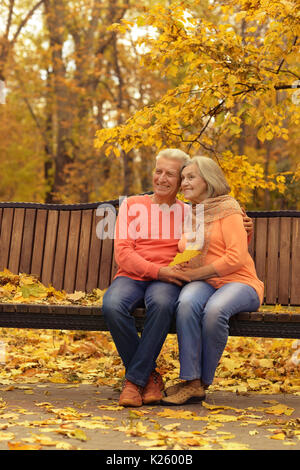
[{"x": 248, "y": 365}]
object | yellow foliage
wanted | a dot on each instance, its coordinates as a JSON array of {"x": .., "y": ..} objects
[
  {"x": 221, "y": 79},
  {"x": 187, "y": 255}
]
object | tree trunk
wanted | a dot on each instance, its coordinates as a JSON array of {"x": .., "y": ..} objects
[{"x": 62, "y": 107}]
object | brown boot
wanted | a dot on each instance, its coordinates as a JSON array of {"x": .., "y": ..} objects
[
  {"x": 152, "y": 392},
  {"x": 173, "y": 389},
  {"x": 190, "y": 392},
  {"x": 131, "y": 395}
]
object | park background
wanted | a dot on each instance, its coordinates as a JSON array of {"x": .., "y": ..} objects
[{"x": 94, "y": 89}]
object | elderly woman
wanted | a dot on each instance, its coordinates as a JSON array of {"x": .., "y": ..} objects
[{"x": 223, "y": 281}]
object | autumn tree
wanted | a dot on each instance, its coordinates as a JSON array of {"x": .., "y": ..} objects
[
  {"x": 16, "y": 14},
  {"x": 234, "y": 86}
]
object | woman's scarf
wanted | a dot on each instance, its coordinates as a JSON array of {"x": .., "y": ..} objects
[{"x": 202, "y": 217}]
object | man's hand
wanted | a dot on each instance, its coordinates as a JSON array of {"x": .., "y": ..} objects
[
  {"x": 248, "y": 223},
  {"x": 169, "y": 274}
]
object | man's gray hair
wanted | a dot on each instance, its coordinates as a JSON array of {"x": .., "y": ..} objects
[{"x": 174, "y": 154}]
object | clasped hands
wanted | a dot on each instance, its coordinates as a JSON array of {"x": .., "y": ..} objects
[{"x": 181, "y": 273}]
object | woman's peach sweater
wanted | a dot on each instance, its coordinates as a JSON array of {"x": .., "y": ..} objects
[{"x": 229, "y": 255}]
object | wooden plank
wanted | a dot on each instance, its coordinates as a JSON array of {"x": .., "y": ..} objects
[
  {"x": 256, "y": 316},
  {"x": 284, "y": 260},
  {"x": 39, "y": 242},
  {"x": 5, "y": 238},
  {"x": 84, "y": 248},
  {"x": 16, "y": 241},
  {"x": 106, "y": 264},
  {"x": 72, "y": 251},
  {"x": 1, "y": 212},
  {"x": 94, "y": 257},
  {"x": 105, "y": 271},
  {"x": 272, "y": 261},
  {"x": 27, "y": 243},
  {"x": 50, "y": 245},
  {"x": 261, "y": 248},
  {"x": 61, "y": 250},
  {"x": 295, "y": 272}
]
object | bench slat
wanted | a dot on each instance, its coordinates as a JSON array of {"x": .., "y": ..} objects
[
  {"x": 16, "y": 240},
  {"x": 27, "y": 242},
  {"x": 39, "y": 242},
  {"x": 50, "y": 245},
  {"x": 272, "y": 261},
  {"x": 284, "y": 261},
  {"x": 295, "y": 274},
  {"x": 61, "y": 250},
  {"x": 6, "y": 229},
  {"x": 72, "y": 251},
  {"x": 84, "y": 248},
  {"x": 106, "y": 263},
  {"x": 94, "y": 257}
]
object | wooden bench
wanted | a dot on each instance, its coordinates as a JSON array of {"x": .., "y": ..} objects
[{"x": 58, "y": 243}]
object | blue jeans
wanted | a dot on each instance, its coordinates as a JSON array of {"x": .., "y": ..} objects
[
  {"x": 122, "y": 297},
  {"x": 202, "y": 317}
]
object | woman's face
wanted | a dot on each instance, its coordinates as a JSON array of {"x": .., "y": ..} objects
[{"x": 193, "y": 186}]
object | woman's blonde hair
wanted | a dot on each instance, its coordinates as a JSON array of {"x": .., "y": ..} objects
[
  {"x": 174, "y": 154},
  {"x": 212, "y": 174}
]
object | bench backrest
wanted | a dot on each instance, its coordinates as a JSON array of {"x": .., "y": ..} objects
[{"x": 59, "y": 244}]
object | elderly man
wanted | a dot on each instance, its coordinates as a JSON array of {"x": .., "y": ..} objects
[
  {"x": 144, "y": 277},
  {"x": 143, "y": 251}
]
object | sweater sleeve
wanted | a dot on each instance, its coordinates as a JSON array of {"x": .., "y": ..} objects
[
  {"x": 125, "y": 254},
  {"x": 236, "y": 246}
]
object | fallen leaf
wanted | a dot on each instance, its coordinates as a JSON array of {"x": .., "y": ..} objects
[
  {"x": 279, "y": 410},
  {"x": 6, "y": 436},
  {"x": 22, "y": 446},
  {"x": 278, "y": 436}
]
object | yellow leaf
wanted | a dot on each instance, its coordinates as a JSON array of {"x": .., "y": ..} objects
[
  {"x": 21, "y": 446},
  {"x": 184, "y": 257},
  {"x": 74, "y": 433},
  {"x": 224, "y": 418},
  {"x": 279, "y": 410},
  {"x": 280, "y": 436},
  {"x": 6, "y": 436},
  {"x": 57, "y": 378},
  {"x": 77, "y": 295}
]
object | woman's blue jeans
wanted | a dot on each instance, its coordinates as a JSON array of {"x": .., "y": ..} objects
[
  {"x": 122, "y": 297},
  {"x": 202, "y": 317}
]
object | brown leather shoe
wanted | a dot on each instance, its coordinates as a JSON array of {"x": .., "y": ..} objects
[
  {"x": 153, "y": 391},
  {"x": 188, "y": 392},
  {"x": 131, "y": 395},
  {"x": 173, "y": 389}
]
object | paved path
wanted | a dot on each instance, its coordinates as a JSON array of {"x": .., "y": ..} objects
[{"x": 52, "y": 416}]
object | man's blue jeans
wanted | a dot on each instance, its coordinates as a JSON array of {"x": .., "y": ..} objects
[
  {"x": 202, "y": 317},
  {"x": 122, "y": 297}
]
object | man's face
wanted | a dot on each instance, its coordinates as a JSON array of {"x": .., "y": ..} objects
[{"x": 166, "y": 178}]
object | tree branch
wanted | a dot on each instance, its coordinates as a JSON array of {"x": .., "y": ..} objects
[
  {"x": 10, "y": 13},
  {"x": 282, "y": 62},
  {"x": 25, "y": 20}
]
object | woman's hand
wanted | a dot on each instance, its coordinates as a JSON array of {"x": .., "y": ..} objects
[
  {"x": 198, "y": 273},
  {"x": 248, "y": 223}
]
